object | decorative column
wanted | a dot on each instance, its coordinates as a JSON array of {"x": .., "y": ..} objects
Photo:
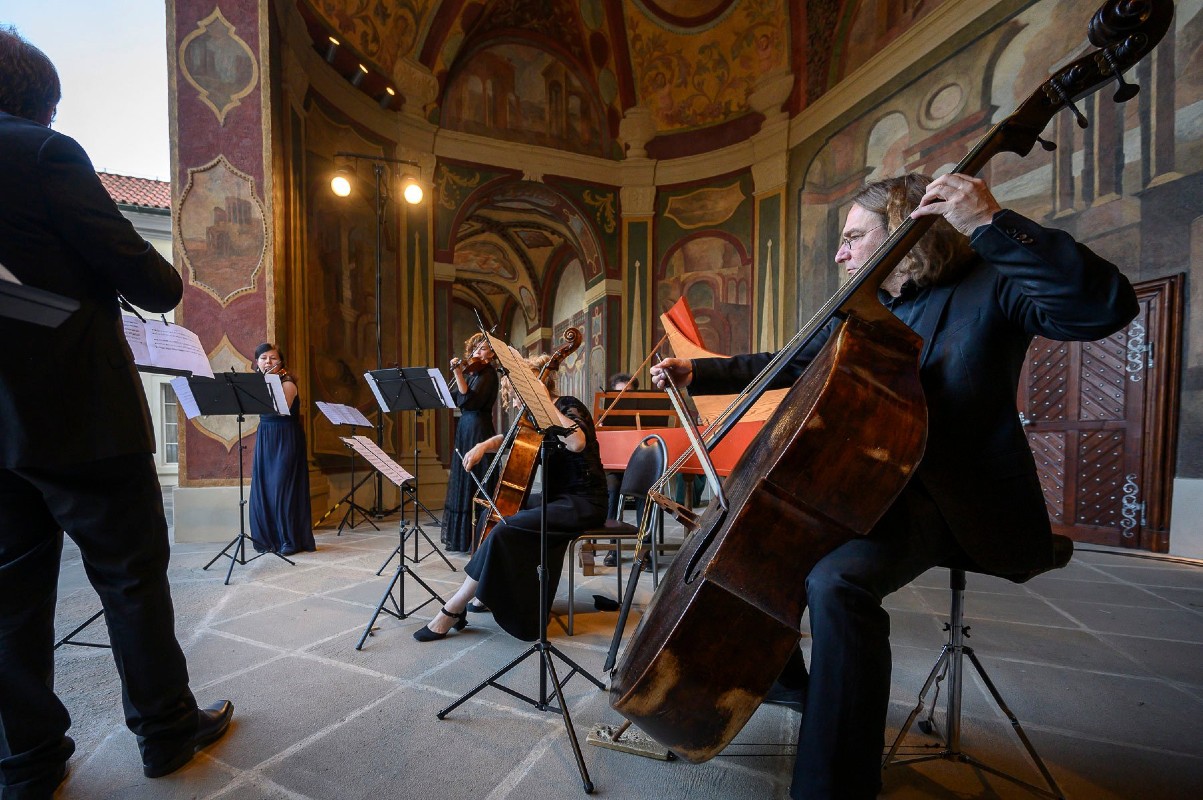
[{"x": 224, "y": 245}]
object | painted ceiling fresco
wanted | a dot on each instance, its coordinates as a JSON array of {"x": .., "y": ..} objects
[{"x": 692, "y": 63}]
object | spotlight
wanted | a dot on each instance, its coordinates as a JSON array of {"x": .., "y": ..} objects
[
  {"x": 332, "y": 49},
  {"x": 386, "y": 99},
  {"x": 412, "y": 192},
  {"x": 359, "y": 75},
  {"x": 340, "y": 184}
]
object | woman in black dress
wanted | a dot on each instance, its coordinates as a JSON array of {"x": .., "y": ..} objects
[
  {"x": 474, "y": 389},
  {"x": 503, "y": 572},
  {"x": 280, "y": 515}
]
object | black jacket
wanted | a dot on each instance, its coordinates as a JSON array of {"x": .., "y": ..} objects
[
  {"x": 977, "y": 465},
  {"x": 71, "y": 394}
]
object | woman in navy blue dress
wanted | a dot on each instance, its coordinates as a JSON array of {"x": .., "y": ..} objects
[
  {"x": 280, "y": 514},
  {"x": 474, "y": 389}
]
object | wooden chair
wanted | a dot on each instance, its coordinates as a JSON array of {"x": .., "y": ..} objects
[
  {"x": 950, "y": 666},
  {"x": 647, "y": 464}
]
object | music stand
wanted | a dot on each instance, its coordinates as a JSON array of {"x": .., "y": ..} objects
[
  {"x": 546, "y": 420},
  {"x": 411, "y": 389},
  {"x": 31, "y": 304},
  {"x": 347, "y": 415},
  {"x": 397, "y": 475},
  {"x": 237, "y": 394}
]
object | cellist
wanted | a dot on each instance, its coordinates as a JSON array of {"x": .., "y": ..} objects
[
  {"x": 977, "y": 288},
  {"x": 502, "y": 573}
]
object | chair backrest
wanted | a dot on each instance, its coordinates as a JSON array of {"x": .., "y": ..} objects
[{"x": 646, "y": 465}]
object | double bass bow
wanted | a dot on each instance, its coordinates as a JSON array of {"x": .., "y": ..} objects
[
  {"x": 826, "y": 465},
  {"x": 522, "y": 443}
]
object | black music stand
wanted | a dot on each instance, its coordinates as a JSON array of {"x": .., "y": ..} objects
[
  {"x": 347, "y": 415},
  {"x": 542, "y": 647},
  {"x": 68, "y": 640},
  {"x": 402, "y": 480},
  {"x": 411, "y": 389},
  {"x": 238, "y": 394},
  {"x": 31, "y": 304}
]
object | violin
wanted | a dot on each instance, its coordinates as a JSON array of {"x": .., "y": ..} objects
[{"x": 472, "y": 365}]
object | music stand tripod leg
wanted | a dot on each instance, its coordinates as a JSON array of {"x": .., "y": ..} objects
[
  {"x": 68, "y": 640},
  {"x": 398, "y": 604},
  {"x": 416, "y": 528},
  {"x": 542, "y": 646}
]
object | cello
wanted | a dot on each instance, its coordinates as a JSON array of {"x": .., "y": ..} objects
[
  {"x": 826, "y": 465},
  {"x": 522, "y": 442}
]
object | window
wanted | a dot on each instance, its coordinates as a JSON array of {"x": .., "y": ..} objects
[{"x": 169, "y": 437}]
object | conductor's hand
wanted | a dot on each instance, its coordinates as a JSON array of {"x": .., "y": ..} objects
[
  {"x": 474, "y": 455},
  {"x": 964, "y": 201},
  {"x": 679, "y": 369}
]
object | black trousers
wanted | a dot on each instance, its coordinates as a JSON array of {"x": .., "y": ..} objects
[{"x": 113, "y": 509}]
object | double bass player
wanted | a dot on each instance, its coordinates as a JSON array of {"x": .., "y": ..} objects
[{"x": 977, "y": 288}]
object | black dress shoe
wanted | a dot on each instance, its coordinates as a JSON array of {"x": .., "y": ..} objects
[
  {"x": 425, "y": 634},
  {"x": 790, "y": 698},
  {"x": 211, "y": 725},
  {"x": 478, "y": 608},
  {"x": 611, "y": 559},
  {"x": 287, "y": 551}
]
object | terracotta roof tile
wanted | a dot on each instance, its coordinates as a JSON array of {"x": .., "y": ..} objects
[{"x": 127, "y": 190}]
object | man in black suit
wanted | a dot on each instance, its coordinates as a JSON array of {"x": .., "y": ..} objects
[
  {"x": 978, "y": 286},
  {"x": 75, "y": 449}
]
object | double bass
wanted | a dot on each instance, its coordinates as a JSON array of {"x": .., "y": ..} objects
[
  {"x": 826, "y": 465},
  {"x": 522, "y": 442}
]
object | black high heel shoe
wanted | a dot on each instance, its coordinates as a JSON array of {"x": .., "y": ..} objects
[{"x": 425, "y": 634}]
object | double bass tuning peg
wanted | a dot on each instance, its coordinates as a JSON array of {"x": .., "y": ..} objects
[{"x": 1126, "y": 91}]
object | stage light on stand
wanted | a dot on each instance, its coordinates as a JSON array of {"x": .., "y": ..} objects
[
  {"x": 359, "y": 75},
  {"x": 332, "y": 49},
  {"x": 386, "y": 99},
  {"x": 340, "y": 184},
  {"x": 412, "y": 191}
]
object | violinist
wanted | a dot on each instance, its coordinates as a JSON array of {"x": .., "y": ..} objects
[
  {"x": 503, "y": 573},
  {"x": 977, "y": 287},
  {"x": 474, "y": 390},
  {"x": 279, "y": 505}
]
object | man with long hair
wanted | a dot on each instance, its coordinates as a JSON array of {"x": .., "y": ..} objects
[
  {"x": 978, "y": 286},
  {"x": 80, "y": 466}
]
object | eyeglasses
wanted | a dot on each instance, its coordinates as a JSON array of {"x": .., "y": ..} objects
[{"x": 850, "y": 241}]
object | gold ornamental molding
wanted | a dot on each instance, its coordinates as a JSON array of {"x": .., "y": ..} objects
[{"x": 219, "y": 64}]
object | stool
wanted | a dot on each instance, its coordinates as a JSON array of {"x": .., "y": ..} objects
[{"x": 950, "y": 665}]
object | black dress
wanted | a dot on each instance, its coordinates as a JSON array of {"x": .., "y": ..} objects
[
  {"x": 280, "y": 513},
  {"x": 507, "y": 561},
  {"x": 475, "y": 426}
]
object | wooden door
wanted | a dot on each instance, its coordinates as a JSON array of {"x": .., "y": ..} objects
[{"x": 1101, "y": 418}]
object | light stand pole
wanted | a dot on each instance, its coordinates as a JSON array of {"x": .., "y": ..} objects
[{"x": 379, "y": 208}]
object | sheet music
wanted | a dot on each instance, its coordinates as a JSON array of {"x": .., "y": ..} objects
[
  {"x": 183, "y": 395},
  {"x": 440, "y": 383},
  {"x": 378, "y": 459},
  {"x": 157, "y": 344},
  {"x": 275, "y": 388},
  {"x": 5, "y": 275},
  {"x": 371, "y": 379},
  {"x": 530, "y": 389},
  {"x": 342, "y": 414}
]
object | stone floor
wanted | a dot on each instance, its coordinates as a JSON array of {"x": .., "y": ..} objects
[{"x": 1100, "y": 661}]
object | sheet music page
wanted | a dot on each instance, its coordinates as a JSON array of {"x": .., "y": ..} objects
[
  {"x": 378, "y": 458},
  {"x": 183, "y": 394},
  {"x": 176, "y": 347},
  {"x": 371, "y": 379},
  {"x": 135, "y": 337},
  {"x": 275, "y": 388},
  {"x": 529, "y": 388},
  {"x": 343, "y": 414},
  {"x": 440, "y": 383},
  {"x": 5, "y": 275}
]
